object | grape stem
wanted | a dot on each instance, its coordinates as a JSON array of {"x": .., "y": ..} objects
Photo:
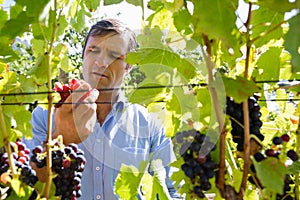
[{"x": 7, "y": 143}]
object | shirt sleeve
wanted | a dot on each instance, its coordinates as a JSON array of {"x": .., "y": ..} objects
[{"x": 39, "y": 122}]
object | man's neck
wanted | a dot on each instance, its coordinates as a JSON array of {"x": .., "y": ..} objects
[{"x": 105, "y": 101}]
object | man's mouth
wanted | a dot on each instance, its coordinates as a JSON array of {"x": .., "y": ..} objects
[{"x": 99, "y": 74}]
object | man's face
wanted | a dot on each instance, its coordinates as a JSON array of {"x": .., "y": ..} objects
[{"x": 104, "y": 60}]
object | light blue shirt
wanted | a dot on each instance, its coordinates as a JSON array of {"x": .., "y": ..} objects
[{"x": 128, "y": 136}]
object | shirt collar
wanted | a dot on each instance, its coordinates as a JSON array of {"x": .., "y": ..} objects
[{"x": 121, "y": 101}]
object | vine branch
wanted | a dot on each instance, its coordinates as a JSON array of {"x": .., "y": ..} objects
[
  {"x": 209, "y": 63},
  {"x": 48, "y": 144},
  {"x": 246, "y": 112}
]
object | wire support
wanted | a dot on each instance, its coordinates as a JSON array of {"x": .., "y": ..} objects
[
  {"x": 112, "y": 102},
  {"x": 107, "y": 89}
]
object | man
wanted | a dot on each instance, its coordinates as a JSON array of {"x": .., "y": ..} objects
[{"x": 109, "y": 130}]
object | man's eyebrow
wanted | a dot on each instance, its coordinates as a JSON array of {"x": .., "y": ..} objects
[{"x": 93, "y": 47}]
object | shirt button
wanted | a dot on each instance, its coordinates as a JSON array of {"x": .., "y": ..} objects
[
  {"x": 98, "y": 196},
  {"x": 97, "y": 168},
  {"x": 98, "y": 140}
]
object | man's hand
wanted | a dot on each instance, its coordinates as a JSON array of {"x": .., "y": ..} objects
[{"x": 76, "y": 119}]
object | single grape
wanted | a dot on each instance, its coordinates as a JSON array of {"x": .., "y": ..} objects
[
  {"x": 277, "y": 140},
  {"x": 292, "y": 155}
]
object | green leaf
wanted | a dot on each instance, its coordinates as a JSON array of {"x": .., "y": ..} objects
[
  {"x": 271, "y": 173},
  {"x": 109, "y": 2},
  {"x": 79, "y": 22},
  {"x": 22, "y": 118},
  {"x": 277, "y": 5},
  {"x": 92, "y": 4},
  {"x": 17, "y": 26},
  {"x": 240, "y": 88},
  {"x": 151, "y": 37},
  {"x": 38, "y": 46},
  {"x": 292, "y": 42},
  {"x": 22, "y": 191},
  {"x": 174, "y": 5},
  {"x": 3, "y": 18},
  {"x": 204, "y": 98},
  {"x": 163, "y": 57},
  {"x": 145, "y": 96},
  {"x": 182, "y": 20},
  {"x": 216, "y": 19},
  {"x": 263, "y": 20},
  {"x": 39, "y": 71},
  {"x": 159, "y": 181},
  {"x": 2, "y": 67},
  {"x": 62, "y": 25},
  {"x": 182, "y": 103},
  {"x": 135, "y": 2},
  {"x": 269, "y": 62},
  {"x": 128, "y": 181},
  {"x": 8, "y": 82},
  {"x": 294, "y": 168},
  {"x": 33, "y": 7},
  {"x": 155, "y": 5}
]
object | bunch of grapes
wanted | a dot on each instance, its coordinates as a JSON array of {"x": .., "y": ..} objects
[
  {"x": 66, "y": 89},
  {"x": 68, "y": 164},
  {"x": 22, "y": 163},
  {"x": 198, "y": 165},
  {"x": 235, "y": 111},
  {"x": 275, "y": 151}
]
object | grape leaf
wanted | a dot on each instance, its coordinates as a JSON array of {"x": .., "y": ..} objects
[
  {"x": 6, "y": 50},
  {"x": 79, "y": 23},
  {"x": 150, "y": 37},
  {"x": 164, "y": 57},
  {"x": 128, "y": 180},
  {"x": 3, "y": 18},
  {"x": 203, "y": 96},
  {"x": 216, "y": 19},
  {"x": 2, "y": 67},
  {"x": 280, "y": 6},
  {"x": 271, "y": 173},
  {"x": 109, "y": 2},
  {"x": 240, "y": 88},
  {"x": 264, "y": 20},
  {"x": 155, "y": 4},
  {"x": 269, "y": 62},
  {"x": 62, "y": 25},
  {"x": 182, "y": 20},
  {"x": 145, "y": 96},
  {"x": 294, "y": 168},
  {"x": 16, "y": 26},
  {"x": 135, "y": 2},
  {"x": 93, "y": 4},
  {"x": 157, "y": 181},
  {"x": 292, "y": 42},
  {"x": 21, "y": 191}
]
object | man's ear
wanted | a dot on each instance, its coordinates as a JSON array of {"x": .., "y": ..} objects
[{"x": 128, "y": 68}]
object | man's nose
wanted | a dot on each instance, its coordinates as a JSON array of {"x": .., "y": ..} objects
[{"x": 102, "y": 60}]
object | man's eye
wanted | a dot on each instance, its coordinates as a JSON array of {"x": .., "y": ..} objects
[
  {"x": 113, "y": 56},
  {"x": 93, "y": 50}
]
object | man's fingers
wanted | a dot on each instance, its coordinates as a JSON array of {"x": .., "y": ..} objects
[{"x": 90, "y": 97}]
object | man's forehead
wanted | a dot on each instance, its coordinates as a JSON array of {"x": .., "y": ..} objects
[{"x": 112, "y": 39}]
